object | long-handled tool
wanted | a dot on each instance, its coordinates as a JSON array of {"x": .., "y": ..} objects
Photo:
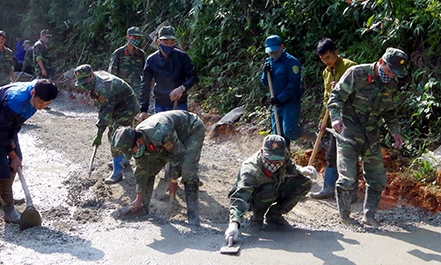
[
  {"x": 319, "y": 139},
  {"x": 230, "y": 248},
  {"x": 276, "y": 116},
  {"x": 92, "y": 158},
  {"x": 30, "y": 217}
]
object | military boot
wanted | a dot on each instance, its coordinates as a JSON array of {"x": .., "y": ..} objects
[
  {"x": 344, "y": 206},
  {"x": 148, "y": 194},
  {"x": 192, "y": 200},
  {"x": 370, "y": 207},
  {"x": 328, "y": 189},
  {"x": 274, "y": 217},
  {"x": 11, "y": 214},
  {"x": 117, "y": 175},
  {"x": 256, "y": 220}
]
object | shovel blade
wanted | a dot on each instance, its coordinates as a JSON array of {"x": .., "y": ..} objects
[{"x": 30, "y": 218}]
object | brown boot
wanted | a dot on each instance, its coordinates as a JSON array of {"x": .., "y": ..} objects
[{"x": 11, "y": 214}]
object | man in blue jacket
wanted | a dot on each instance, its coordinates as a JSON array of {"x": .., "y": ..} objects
[
  {"x": 18, "y": 102},
  {"x": 285, "y": 71}
]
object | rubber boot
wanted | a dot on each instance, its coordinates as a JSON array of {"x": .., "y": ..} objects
[
  {"x": 125, "y": 163},
  {"x": 192, "y": 200},
  {"x": 11, "y": 214},
  {"x": 117, "y": 175},
  {"x": 344, "y": 206},
  {"x": 274, "y": 217},
  {"x": 328, "y": 189},
  {"x": 370, "y": 207}
]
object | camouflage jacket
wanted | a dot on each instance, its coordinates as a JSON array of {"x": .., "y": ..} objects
[
  {"x": 6, "y": 65},
  {"x": 250, "y": 177},
  {"x": 128, "y": 66},
  {"x": 331, "y": 75},
  {"x": 363, "y": 102},
  {"x": 112, "y": 96},
  {"x": 29, "y": 59},
  {"x": 166, "y": 132},
  {"x": 40, "y": 53}
]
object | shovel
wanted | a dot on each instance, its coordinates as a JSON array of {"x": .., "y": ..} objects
[
  {"x": 30, "y": 217},
  {"x": 276, "y": 116},
  {"x": 92, "y": 158},
  {"x": 230, "y": 248},
  {"x": 319, "y": 139}
]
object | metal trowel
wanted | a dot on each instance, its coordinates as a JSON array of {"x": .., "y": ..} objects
[{"x": 230, "y": 248}]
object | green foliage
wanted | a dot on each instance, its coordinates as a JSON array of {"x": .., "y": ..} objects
[
  {"x": 423, "y": 171},
  {"x": 225, "y": 40}
]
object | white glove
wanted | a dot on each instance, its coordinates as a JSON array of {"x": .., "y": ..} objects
[
  {"x": 309, "y": 171},
  {"x": 233, "y": 230}
]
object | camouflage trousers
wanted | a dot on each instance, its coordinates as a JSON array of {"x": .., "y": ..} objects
[
  {"x": 372, "y": 163},
  {"x": 149, "y": 165},
  {"x": 286, "y": 196}
]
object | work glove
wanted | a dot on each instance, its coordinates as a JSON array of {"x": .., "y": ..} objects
[
  {"x": 233, "y": 230},
  {"x": 274, "y": 101},
  {"x": 266, "y": 67},
  {"x": 97, "y": 140},
  {"x": 309, "y": 171}
]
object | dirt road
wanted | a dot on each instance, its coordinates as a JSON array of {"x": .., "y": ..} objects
[{"x": 79, "y": 224}]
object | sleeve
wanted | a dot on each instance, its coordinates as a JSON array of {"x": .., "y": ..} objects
[
  {"x": 191, "y": 77},
  {"x": 340, "y": 94},
  {"x": 146, "y": 86},
  {"x": 114, "y": 64},
  {"x": 240, "y": 198}
]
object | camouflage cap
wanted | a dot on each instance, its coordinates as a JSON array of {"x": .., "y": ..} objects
[
  {"x": 122, "y": 140},
  {"x": 274, "y": 147},
  {"x": 167, "y": 32},
  {"x": 45, "y": 32},
  {"x": 26, "y": 42},
  {"x": 134, "y": 31},
  {"x": 3, "y": 33},
  {"x": 82, "y": 73},
  {"x": 396, "y": 59}
]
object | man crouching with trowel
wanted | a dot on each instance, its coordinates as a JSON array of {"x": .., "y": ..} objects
[
  {"x": 18, "y": 102},
  {"x": 269, "y": 184},
  {"x": 174, "y": 136}
]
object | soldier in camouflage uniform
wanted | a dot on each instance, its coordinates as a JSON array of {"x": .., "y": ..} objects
[
  {"x": 362, "y": 100},
  {"x": 268, "y": 182},
  {"x": 117, "y": 104},
  {"x": 128, "y": 61},
  {"x": 28, "y": 63},
  {"x": 6, "y": 61},
  {"x": 174, "y": 136},
  {"x": 42, "y": 60}
]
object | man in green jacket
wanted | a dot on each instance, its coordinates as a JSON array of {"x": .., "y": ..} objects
[
  {"x": 127, "y": 62},
  {"x": 360, "y": 103},
  {"x": 335, "y": 68},
  {"x": 117, "y": 104}
]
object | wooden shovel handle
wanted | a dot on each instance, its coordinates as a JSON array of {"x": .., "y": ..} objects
[{"x": 319, "y": 139}]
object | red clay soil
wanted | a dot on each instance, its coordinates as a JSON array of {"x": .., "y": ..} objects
[{"x": 400, "y": 189}]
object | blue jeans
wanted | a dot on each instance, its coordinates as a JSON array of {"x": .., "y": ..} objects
[{"x": 161, "y": 108}]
